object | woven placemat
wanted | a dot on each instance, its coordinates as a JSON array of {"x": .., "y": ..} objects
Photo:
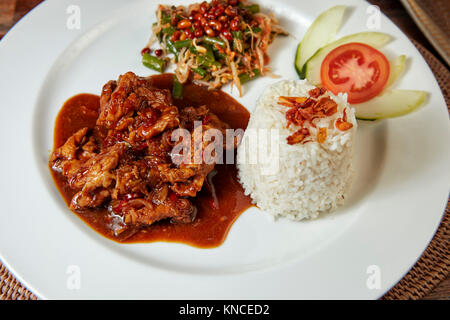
[
  {"x": 429, "y": 271},
  {"x": 433, "y": 265}
]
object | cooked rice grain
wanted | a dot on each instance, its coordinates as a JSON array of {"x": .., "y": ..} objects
[{"x": 312, "y": 178}]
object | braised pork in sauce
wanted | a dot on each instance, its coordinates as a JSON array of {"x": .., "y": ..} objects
[{"x": 112, "y": 162}]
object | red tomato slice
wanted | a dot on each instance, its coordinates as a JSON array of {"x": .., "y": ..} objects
[{"x": 357, "y": 69}]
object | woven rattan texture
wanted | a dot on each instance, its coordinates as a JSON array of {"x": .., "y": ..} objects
[
  {"x": 433, "y": 265},
  {"x": 428, "y": 272}
]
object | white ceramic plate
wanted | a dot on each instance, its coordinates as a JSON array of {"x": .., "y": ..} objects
[{"x": 397, "y": 202}]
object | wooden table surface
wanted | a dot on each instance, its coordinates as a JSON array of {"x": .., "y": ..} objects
[{"x": 12, "y": 10}]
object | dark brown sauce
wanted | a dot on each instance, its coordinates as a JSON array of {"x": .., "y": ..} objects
[{"x": 214, "y": 217}]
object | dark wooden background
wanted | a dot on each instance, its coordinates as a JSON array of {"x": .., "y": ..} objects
[{"x": 12, "y": 10}]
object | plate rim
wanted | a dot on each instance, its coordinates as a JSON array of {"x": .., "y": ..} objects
[{"x": 35, "y": 11}]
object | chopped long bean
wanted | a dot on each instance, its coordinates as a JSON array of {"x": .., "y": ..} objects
[
  {"x": 182, "y": 44},
  {"x": 237, "y": 34},
  {"x": 153, "y": 62},
  {"x": 177, "y": 90},
  {"x": 169, "y": 31},
  {"x": 200, "y": 71},
  {"x": 165, "y": 18},
  {"x": 213, "y": 41},
  {"x": 254, "y": 8},
  {"x": 193, "y": 50},
  {"x": 245, "y": 77},
  {"x": 206, "y": 62},
  {"x": 171, "y": 47},
  {"x": 209, "y": 53}
]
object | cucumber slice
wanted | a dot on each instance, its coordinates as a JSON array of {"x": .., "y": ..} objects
[
  {"x": 397, "y": 66},
  {"x": 321, "y": 32},
  {"x": 313, "y": 65},
  {"x": 390, "y": 104}
]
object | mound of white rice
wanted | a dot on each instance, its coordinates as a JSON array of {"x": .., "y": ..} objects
[{"x": 308, "y": 178}]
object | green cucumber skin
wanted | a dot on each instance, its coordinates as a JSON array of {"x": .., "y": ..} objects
[
  {"x": 301, "y": 72},
  {"x": 336, "y": 11},
  {"x": 327, "y": 25},
  {"x": 417, "y": 104},
  {"x": 369, "y": 120}
]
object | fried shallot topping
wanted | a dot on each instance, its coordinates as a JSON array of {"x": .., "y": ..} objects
[
  {"x": 342, "y": 124},
  {"x": 317, "y": 92},
  {"x": 298, "y": 136},
  {"x": 305, "y": 110}
]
